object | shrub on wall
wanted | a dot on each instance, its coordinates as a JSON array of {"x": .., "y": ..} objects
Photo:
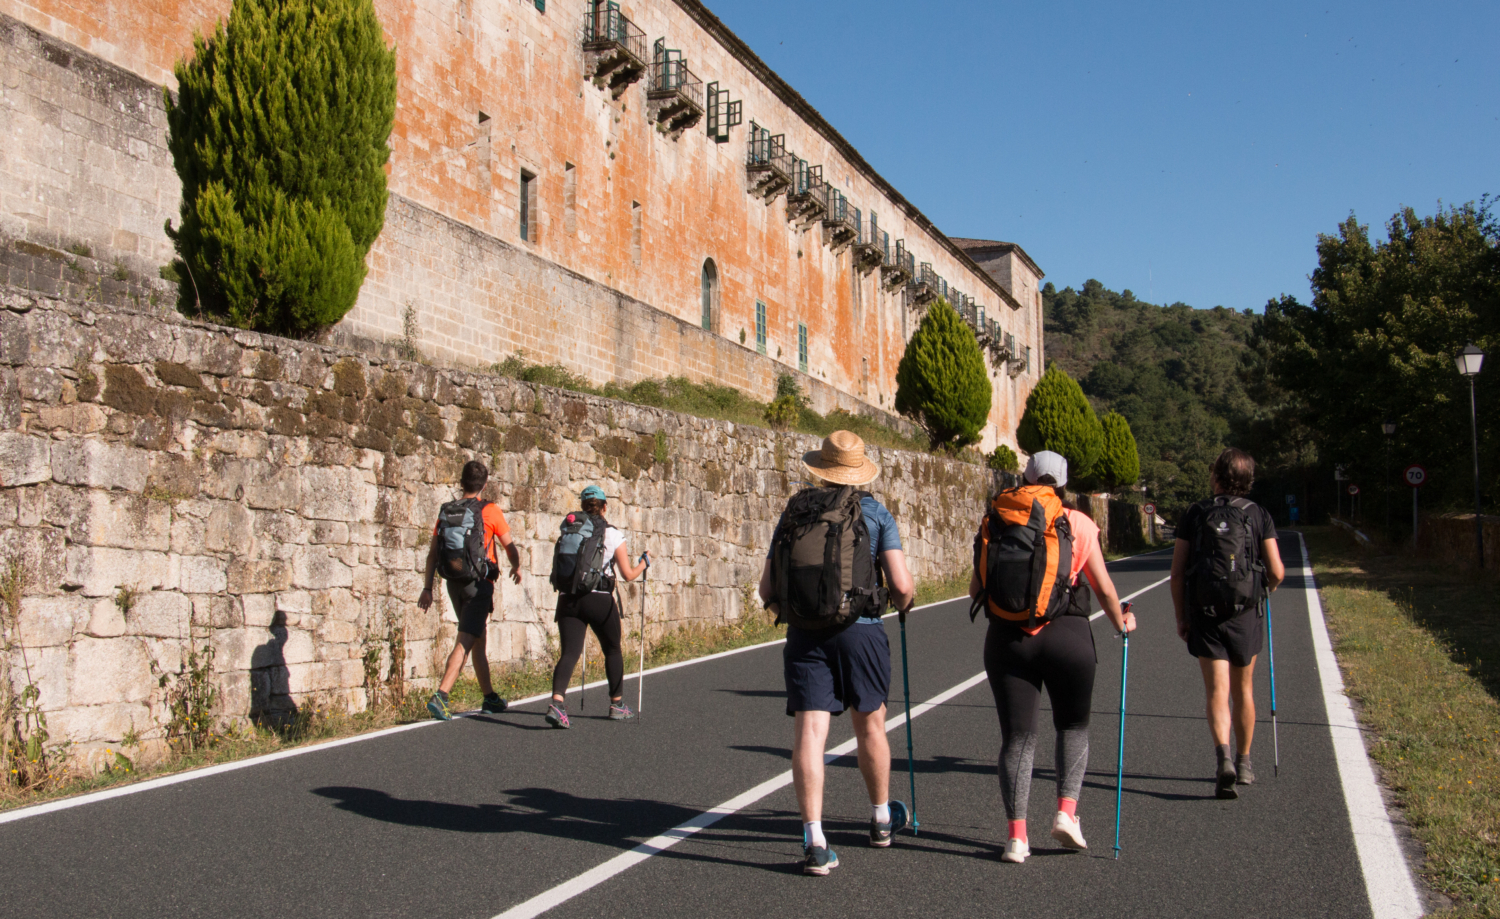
[
  {"x": 278, "y": 133},
  {"x": 1004, "y": 459},
  {"x": 1058, "y": 417},
  {"x": 1119, "y": 463},
  {"x": 941, "y": 381}
]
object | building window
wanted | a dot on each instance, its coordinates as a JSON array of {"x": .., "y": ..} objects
[
  {"x": 802, "y": 346},
  {"x": 635, "y": 233},
  {"x": 760, "y": 327},
  {"x": 528, "y": 199},
  {"x": 570, "y": 198},
  {"x": 710, "y": 285}
]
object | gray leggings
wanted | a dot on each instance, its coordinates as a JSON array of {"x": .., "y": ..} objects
[{"x": 1061, "y": 657}]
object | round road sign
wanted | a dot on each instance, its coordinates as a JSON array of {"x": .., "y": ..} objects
[
  {"x": 1415, "y": 476},
  {"x": 1151, "y": 508},
  {"x": 1353, "y": 489}
]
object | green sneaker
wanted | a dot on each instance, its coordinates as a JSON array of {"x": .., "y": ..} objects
[
  {"x": 438, "y": 706},
  {"x": 493, "y": 704}
]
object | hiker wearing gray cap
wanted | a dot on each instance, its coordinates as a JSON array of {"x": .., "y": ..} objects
[
  {"x": 1039, "y": 635},
  {"x": 835, "y": 561}
]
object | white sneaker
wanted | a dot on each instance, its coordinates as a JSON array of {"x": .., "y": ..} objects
[
  {"x": 1016, "y": 851},
  {"x": 1068, "y": 831}
]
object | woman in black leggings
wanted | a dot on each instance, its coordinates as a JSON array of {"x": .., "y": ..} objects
[
  {"x": 1060, "y": 656},
  {"x": 596, "y": 610}
]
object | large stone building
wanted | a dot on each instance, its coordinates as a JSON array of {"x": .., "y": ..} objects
[{"x": 626, "y": 189}]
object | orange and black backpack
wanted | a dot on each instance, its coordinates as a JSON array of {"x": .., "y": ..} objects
[{"x": 1023, "y": 554}]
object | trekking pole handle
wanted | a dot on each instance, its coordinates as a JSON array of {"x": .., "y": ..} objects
[{"x": 1124, "y": 611}]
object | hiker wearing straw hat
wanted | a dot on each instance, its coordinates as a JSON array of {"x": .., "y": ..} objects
[{"x": 835, "y": 562}]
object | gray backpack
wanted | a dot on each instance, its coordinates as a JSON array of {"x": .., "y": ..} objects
[
  {"x": 578, "y": 560},
  {"x": 822, "y": 569}
]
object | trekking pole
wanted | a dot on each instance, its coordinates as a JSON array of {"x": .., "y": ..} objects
[
  {"x": 583, "y": 678},
  {"x": 911, "y": 770},
  {"x": 1271, "y": 648},
  {"x": 640, "y": 677},
  {"x": 1120, "y": 757}
]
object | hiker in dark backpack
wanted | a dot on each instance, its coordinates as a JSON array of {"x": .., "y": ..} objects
[
  {"x": 1224, "y": 563},
  {"x": 835, "y": 562},
  {"x": 588, "y": 555},
  {"x": 462, "y": 551},
  {"x": 1034, "y": 561}
]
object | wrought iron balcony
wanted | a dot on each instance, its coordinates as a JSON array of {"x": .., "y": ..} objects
[
  {"x": 840, "y": 224},
  {"x": 807, "y": 199},
  {"x": 767, "y": 163},
  {"x": 923, "y": 285},
  {"x": 897, "y": 268},
  {"x": 674, "y": 94},
  {"x": 868, "y": 253},
  {"x": 614, "y": 48}
]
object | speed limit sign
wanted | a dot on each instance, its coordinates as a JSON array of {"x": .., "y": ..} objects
[
  {"x": 1353, "y": 489},
  {"x": 1151, "y": 508},
  {"x": 1415, "y": 475}
]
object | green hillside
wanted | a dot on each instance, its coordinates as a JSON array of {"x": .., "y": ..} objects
[{"x": 1172, "y": 371}]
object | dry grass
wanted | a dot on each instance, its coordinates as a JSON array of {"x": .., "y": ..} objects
[{"x": 1419, "y": 644}]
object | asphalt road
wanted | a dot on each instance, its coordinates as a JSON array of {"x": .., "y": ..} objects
[{"x": 473, "y": 817}]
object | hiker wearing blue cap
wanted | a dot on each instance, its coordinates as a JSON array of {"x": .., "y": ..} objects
[{"x": 589, "y": 555}]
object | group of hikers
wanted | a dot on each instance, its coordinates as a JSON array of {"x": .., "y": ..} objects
[{"x": 836, "y": 564}]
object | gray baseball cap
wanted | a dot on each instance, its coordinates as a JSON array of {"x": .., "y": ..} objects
[{"x": 1047, "y": 463}]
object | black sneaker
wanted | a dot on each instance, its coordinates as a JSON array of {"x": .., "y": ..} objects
[
  {"x": 881, "y": 833},
  {"x": 819, "y": 860},
  {"x": 1224, "y": 782},
  {"x": 1244, "y": 775},
  {"x": 493, "y": 704}
]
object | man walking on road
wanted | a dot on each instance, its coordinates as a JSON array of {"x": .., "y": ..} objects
[
  {"x": 473, "y": 598},
  {"x": 845, "y": 664},
  {"x": 1224, "y": 562}
]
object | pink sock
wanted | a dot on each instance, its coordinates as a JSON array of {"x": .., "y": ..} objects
[
  {"x": 1068, "y": 806},
  {"x": 1018, "y": 829}
]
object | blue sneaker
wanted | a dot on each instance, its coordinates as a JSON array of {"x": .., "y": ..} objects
[
  {"x": 881, "y": 833},
  {"x": 438, "y": 706},
  {"x": 819, "y": 860}
]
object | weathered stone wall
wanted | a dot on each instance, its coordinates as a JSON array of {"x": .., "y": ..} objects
[{"x": 273, "y": 498}]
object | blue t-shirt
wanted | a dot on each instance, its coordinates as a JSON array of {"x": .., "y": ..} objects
[{"x": 883, "y": 537}]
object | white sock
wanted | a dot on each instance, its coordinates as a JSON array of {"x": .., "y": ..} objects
[
  {"x": 881, "y": 812},
  {"x": 812, "y": 834}
]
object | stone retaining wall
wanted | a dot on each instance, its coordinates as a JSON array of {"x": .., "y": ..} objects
[{"x": 273, "y": 498}]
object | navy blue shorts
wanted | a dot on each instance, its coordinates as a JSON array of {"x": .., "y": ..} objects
[{"x": 851, "y": 669}]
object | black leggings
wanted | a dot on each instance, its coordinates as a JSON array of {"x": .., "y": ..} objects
[
  {"x": 575, "y": 617},
  {"x": 1061, "y": 657}
]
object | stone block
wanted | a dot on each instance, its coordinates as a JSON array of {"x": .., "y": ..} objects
[
  {"x": 160, "y": 614},
  {"x": 49, "y": 672},
  {"x": 329, "y": 533},
  {"x": 100, "y": 724},
  {"x": 203, "y": 574},
  {"x": 257, "y": 577},
  {"x": 337, "y": 632},
  {"x": 110, "y": 518},
  {"x": 294, "y": 602},
  {"x": 298, "y": 648},
  {"x": 98, "y": 464},
  {"x": 335, "y": 604},
  {"x": 101, "y": 571},
  {"x": 78, "y": 418},
  {"x": 106, "y": 619},
  {"x": 24, "y": 460},
  {"x": 49, "y": 621},
  {"x": 217, "y": 612},
  {"x": 279, "y": 490},
  {"x": 247, "y": 648},
  {"x": 106, "y": 671},
  {"x": 336, "y": 494},
  {"x": 317, "y": 569},
  {"x": 259, "y": 609},
  {"x": 229, "y": 529}
]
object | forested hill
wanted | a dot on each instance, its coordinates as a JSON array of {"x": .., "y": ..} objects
[{"x": 1172, "y": 371}]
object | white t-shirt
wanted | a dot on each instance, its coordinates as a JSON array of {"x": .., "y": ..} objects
[{"x": 613, "y": 539}]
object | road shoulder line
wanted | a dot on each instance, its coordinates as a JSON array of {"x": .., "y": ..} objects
[{"x": 1388, "y": 878}]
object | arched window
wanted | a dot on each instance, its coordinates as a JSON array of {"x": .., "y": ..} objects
[{"x": 710, "y": 295}]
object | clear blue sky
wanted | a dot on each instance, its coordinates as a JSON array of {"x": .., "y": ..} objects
[{"x": 1186, "y": 151}]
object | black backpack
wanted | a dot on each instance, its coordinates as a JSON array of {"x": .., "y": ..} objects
[
  {"x": 823, "y": 573},
  {"x": 1023, "y": 554},
  {"x": 460, "y": 539},
  {"x": 1223, "y": 575},
  {"x": 578, "y": 561}
]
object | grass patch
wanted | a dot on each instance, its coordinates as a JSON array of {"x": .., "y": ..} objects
[{"x": 1401, "y": 623}]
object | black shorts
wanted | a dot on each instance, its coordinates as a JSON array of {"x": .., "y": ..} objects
[
  {"x": 1236, "y": 640},
  {"x": 472, "y": 603},
  {"x": 850, "y": 669}
]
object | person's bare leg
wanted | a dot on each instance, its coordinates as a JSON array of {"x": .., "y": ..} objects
[
  {"x": 456, "y": 661},
  {"x": 1216, "y": 692},
  {"x": 1242, "y": 688},
  {"x": 874, "y": 753},
  {"x": 481, "y": 664},
  {"x": 807, "y": 763}
]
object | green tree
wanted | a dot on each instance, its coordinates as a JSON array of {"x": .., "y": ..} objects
[
  {"x": 1003, "y": 459},
  {"x": 1058, "y": 417},
  {"x": 1119, "y": 463},
  {"x": 941, "y": 381},
  {"x": 278, "y": 132}
]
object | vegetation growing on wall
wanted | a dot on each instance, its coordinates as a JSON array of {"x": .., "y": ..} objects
[
  {"x": 941, "y": 382},
  {"x": 278, "y": 132}
]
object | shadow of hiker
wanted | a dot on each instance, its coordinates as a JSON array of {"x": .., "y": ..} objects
[{"x": 271, "y": 702}]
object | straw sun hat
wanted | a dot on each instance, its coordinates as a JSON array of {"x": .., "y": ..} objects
[{"x": 842, "y": 460}]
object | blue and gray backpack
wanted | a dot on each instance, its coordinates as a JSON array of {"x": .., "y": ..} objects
[
  {"x": 460, "y": 538},
  {"x": 578, "y": 557}
]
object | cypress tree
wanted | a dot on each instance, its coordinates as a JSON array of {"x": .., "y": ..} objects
[
  {"x": 1004, "y": 459},
  {"x": 1120, "y": 463},
  {"x": 941, "y": 380},
  {"x": 1058, "y": 417},
  {"x": 279, "y": 133}
]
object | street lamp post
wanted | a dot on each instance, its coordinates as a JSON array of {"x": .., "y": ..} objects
[
  {"x": 1389, "y": 427},
  {"x": 1468, "y": 361}
]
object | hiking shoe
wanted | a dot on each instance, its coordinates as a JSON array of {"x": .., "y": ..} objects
[
  {"x": 881, "y": 833},
  {"x": 438, "y": 706},
  {"x": 493, "y": 704},
  {"x": 557, "y": 716},
  {"x": 619, "y": 711},
  {"x": 1068, "y": 830},
  {"x": 1224, "y": 782},
  {"x": 819, "y": 860},
  {"x": 1244, "y": 775},
  {"x": 1016, "y": 851}
]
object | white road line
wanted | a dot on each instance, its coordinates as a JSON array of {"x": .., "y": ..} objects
[
  {"x": 625, "y": 861},
  {"x": 1388, "y": 880},
  {"x": 1134, "y": 595}
]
